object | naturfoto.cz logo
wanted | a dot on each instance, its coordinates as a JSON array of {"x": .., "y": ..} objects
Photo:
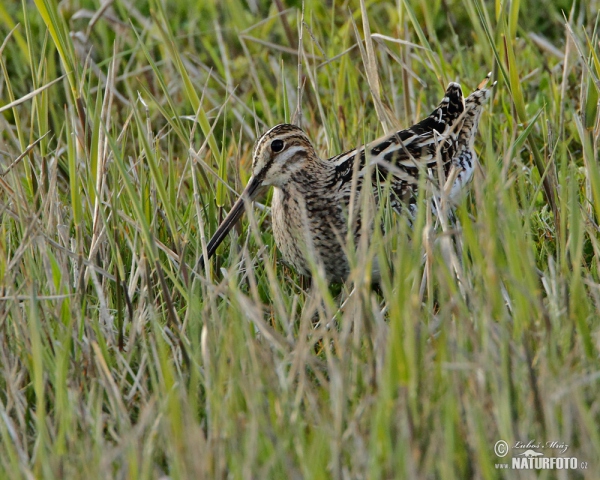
[{"x": 526, "y": 456}]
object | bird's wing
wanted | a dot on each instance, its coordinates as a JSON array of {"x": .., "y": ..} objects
[{"x": 401, "y": 155}]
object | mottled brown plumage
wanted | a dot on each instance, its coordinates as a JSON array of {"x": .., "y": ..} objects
[{"x": 312, "y": 197}]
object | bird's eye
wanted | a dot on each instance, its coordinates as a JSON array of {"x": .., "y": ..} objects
[{"x": 277, "y": 146}]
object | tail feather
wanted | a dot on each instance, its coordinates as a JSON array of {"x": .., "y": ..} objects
[
  {"x": 472, "y": 113},
  {"x": 445, "y": 114},
  {"x": 465, "y": 158}
]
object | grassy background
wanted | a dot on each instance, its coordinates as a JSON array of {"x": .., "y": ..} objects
[{"x": 118, "y": 361}]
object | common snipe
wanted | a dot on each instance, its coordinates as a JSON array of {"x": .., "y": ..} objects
[{"x": 312, "y": 196}]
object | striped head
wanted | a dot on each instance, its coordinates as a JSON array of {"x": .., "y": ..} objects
[{"x": 279, "y": 153}]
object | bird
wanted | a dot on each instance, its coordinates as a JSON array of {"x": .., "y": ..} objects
[{"x": 312, "y": 197}]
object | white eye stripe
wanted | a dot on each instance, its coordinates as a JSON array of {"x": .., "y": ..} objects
[
  {"x": 289, "y": 153},
  {"x": 278, "y": 159}
]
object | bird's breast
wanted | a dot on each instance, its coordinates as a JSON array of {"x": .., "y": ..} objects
[
  {"x": 288, "y": 228},
  {"x": 309, "y": 226}
]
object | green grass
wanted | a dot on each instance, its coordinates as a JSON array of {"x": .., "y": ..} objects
[{"x": 118, "y": 361}]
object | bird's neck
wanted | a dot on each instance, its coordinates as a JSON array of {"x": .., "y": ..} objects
[{"x": 308, "y": 179}]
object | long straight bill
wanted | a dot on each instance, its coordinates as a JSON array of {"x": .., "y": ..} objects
[{"x": 248, "y": 195}]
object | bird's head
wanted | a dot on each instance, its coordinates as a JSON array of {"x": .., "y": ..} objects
[{"x": 279, "y": 153}]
